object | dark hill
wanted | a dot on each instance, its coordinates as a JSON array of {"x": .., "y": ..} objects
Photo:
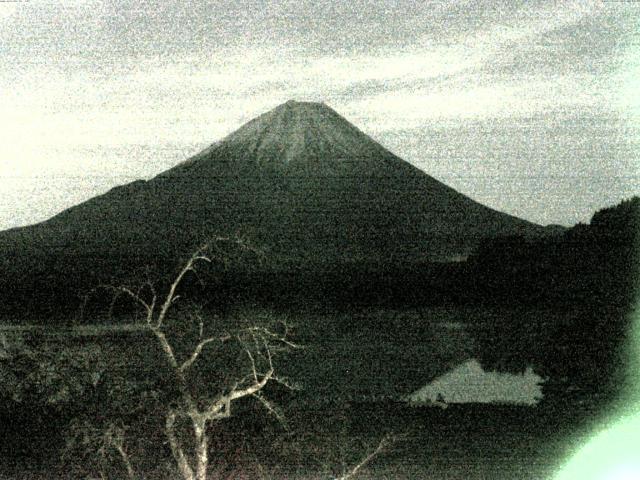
[
  {"x": 300, "y": 182},
  {"x": 588, "y": 275},
  {"x": 591, "y": 263}
]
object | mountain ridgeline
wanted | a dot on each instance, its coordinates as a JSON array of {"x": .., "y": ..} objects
[{"x": 299, "y": 182}]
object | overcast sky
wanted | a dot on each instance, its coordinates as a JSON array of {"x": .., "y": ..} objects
[{"x": 528, "y": 107}]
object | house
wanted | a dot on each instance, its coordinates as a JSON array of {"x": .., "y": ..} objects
[{"x": 469, "y": 383}]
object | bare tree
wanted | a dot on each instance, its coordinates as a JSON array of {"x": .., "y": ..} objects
[
  {"x": 257, "y": 344},
  {"x": 106, "y": 441}
]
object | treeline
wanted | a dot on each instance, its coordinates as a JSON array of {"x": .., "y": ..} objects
[
  {"x": 594, "y": 263},
  {"x": 582, "y": 284}
]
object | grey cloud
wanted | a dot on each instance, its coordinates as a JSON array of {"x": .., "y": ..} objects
[
  {"x": 590, "y": 45},
  {"x": 62, "y": 32}
]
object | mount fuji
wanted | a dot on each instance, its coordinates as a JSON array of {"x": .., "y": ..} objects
[{"x": 299, "y": 182}]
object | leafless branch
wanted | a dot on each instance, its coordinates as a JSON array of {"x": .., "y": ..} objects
[
  {"x": 122, "y": 290},
  {"x": 239, "y": 240},
  {"x": 258, "y": 343},
  {"x": 254, "y": 372},
  {"x": 271, "y": 408},
  {"x": 114, "y": 437},
  {"x": 171, "y": 296},
  {"x": 280, "y": 338},
  {"x": 386, "y": 441},
  {"x": 198, "y": 350},
  {"x": 267, "y": 349},
  {"x": 166, "y": 348},
  {"x": 285, "y": 382},
  {"x": 258, "y": 385}
]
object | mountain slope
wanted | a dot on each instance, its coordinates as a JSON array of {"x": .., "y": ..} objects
[
  {"x": 299, "y": 181},
  {"x": 304, "y": 175}
]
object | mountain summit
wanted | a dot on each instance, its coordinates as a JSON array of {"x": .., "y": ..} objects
[
  {"x": 302, "y": 131},
  {"x": 301, "y": 138},
  {"x": 301, "y": 182}
]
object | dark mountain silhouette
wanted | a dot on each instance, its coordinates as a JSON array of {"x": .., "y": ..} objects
[{"x": 300, "y": 182}]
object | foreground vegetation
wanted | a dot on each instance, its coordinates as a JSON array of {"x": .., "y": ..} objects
[{"x": 72, "y": 401}]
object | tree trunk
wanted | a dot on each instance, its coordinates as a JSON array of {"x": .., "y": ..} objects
[
  {"x": 127, "y": 463},
  {"x": 176, "y": 449},
  {"x": 202, "y": 459}
]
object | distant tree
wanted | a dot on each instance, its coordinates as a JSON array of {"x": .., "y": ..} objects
[{"x": 622, "y": 219}]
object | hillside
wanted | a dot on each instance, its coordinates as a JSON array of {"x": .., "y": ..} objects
[{"x": 299, "y": 182}]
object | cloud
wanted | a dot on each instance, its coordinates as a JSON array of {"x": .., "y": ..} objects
[
  {"x": 463, "y": 99},
  {"x": 150, "y": 99},
  {"x": 626, "y": 97},
  {"x": 7, "y": 9}
]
